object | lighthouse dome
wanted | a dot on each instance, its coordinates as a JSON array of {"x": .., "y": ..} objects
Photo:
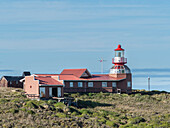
[
  {"x": 119, "y": 48},
  {"x": 120, "y": 69}
]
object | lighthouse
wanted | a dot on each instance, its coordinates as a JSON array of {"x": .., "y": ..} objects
[{"x": 119, "y": 62}]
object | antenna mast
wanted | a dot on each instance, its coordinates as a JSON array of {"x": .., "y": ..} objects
[{"x": 101, "y": 61}]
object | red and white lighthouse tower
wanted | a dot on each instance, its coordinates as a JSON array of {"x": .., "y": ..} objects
[
  {"x": 120, "y": 70},
  {"x": 119, "y": 62}
]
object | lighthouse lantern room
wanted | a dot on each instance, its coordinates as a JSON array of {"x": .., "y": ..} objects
[{"x": 119, "y": 60}]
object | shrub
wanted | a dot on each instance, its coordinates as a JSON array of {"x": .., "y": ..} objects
[
  {"x": 124, "y": 95},
  {"x": 73, "y": 110},
  {"x": 123, "y": 117},
  {"x": 61, "y": 115},
  {"x": 51, "y": 102},
  {"x": 74, "y": 114},
  {"x": 142, "y": 125},
  {"x": 31, "y": 104},
  {"x": 95, "y": 114},
  {"x": 136, "y": 120},
  {"x": 30, "y": 112},
  {"x": 102, "y": 120},
  {"x": 75, "y": 95},
  {"x": 66, "y": 109},
  {"x": 23, "y": 109},
  {"x": 113, "y": 113},
  {"x": 85, "y": 112},
  {"x": 60, "y": 105},
  {"x": 59, "y": 110},
  {"x": 104, "y": 113},
  {"x": 15, "y": 100},
  {"x": 52, "y": 108},
  {"x": 111, "y": 124},
  {"x": 2, "y": 101},
  {"x": 100, "y": 95},
  {"x": 164, "y": 124},
  {"x": 127, "y": 126},
  {"x": 12, "y": 110},
  {"x": 90, "y": 94}
]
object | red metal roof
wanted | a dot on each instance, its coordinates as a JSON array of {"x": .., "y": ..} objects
[
  {"x": 104, "y": 77},
  {"x": 119, "y": 48},
  {"x": 75, "y": 72},
  {"x": 95, "y": 77},
  {"x": 47, "y": 81}
]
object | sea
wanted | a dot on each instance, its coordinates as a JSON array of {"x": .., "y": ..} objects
[{"x": 159, "y": 78}]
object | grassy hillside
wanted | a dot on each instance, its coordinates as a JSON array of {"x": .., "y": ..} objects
[{"x": 139, "y": 110}]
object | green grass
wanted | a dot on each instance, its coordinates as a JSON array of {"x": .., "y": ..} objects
[{"x": 141, "y": 109}]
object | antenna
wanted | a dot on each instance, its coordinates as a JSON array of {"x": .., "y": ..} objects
[{"x": 101, "y": 61}]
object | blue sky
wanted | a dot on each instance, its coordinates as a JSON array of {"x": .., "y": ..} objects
[{"x": 45, "y": 36}]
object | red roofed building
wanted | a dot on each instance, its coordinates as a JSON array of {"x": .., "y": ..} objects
[
  {"x": 81, "y": 80},
  {"x": 118, "y": 80},
  {"x": 43, "y": 87}
]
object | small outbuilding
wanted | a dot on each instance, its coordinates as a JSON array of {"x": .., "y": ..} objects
[{"x": 13, "y": 81}]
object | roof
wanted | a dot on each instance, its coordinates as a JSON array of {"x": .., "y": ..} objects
[
  {"x": 76, "y": 72},
  {"x": 94, "y": 77},
  {"x": 81, "y": 75},
  {"x": 119, "y": 48},
  {"x": 26, "y": 73},
  {"x": 47, "y": 81},
  {"x": 13, "y": 78}
]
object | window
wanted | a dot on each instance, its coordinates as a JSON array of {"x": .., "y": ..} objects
[
  {"x": 90, "y": 84},
  {"x": 71, "y": 84},
  {"x": 42, "y": 91},
  {"x": 114, "y": 84},
  {"x": 119, "y": 54},
  {"x": 104, "y": 84},
  {"x": 59, "y": 92},
  {"x": 123, "y": 71},
  {"x": 50, "y": 92},
  {"x": 80, "y": 84},
  {"x": 10, "y": 82},
  {"x": 16, "y": 82},
  {"x": 129, "y": 84}
]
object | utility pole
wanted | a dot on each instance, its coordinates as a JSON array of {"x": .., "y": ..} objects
[
  {"x": 101, "y": 61},
  {"x": 149, "y": 83}
]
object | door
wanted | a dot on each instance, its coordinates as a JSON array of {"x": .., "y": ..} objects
[
  {"x": 59, "y": 92},
  {"x": 54, "y": 92}
]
